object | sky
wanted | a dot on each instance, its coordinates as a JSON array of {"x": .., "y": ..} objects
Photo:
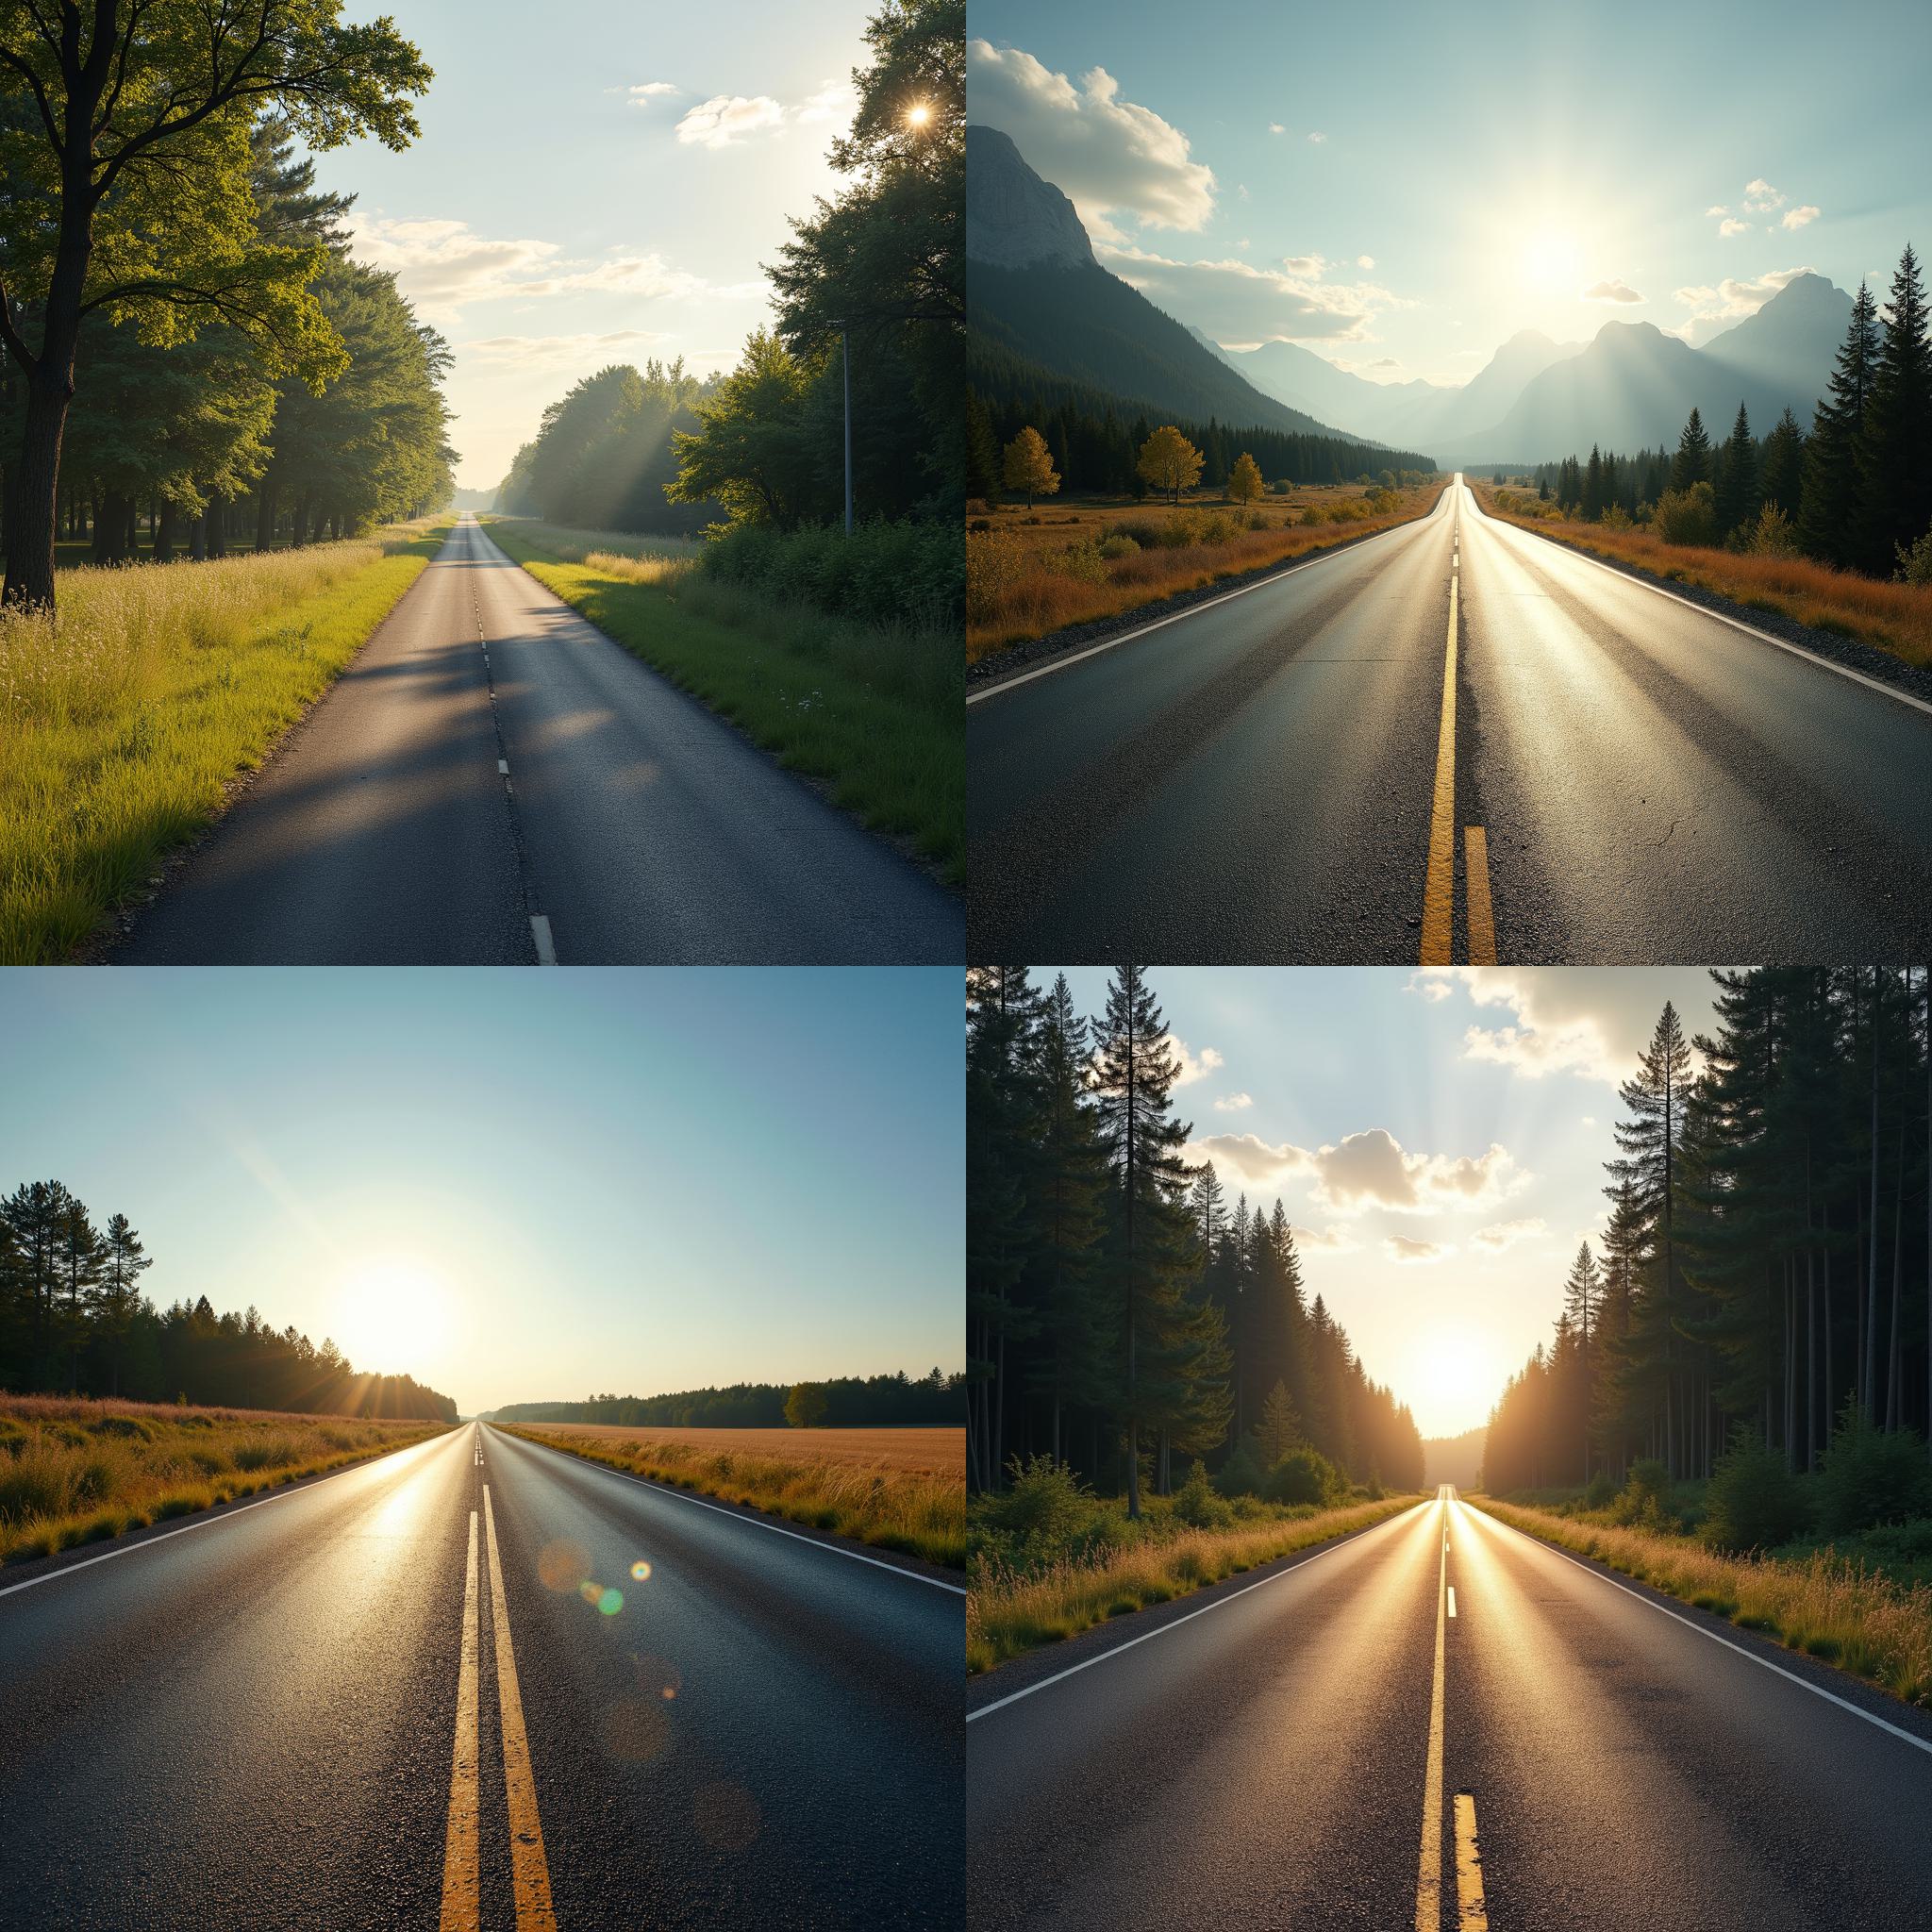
[
  {"x": 1437, "y": 1138},
  {"x": 595, "y": 182},
  {"x": 521, "y": 1186},
  {"x": 1402, "y": 187}
]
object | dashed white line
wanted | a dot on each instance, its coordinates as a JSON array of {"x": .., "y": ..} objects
[
  {"x": 1452, "y": 1599},
  {"x": 539, "y": 931},
  {"x": 503, "y": 766}
]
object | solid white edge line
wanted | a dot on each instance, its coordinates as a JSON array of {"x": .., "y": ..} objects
[
  {"x": 1904, "y": 697},
  {"x": 1218, "y": 1603},
  {"x": 756, "y": 1522},
  {"x": 1007, "y": 684},
  {"x": 206, "y": 1521},
  {"x": 546, "y": 946},
  {"x": 1751, "y": 1655}
]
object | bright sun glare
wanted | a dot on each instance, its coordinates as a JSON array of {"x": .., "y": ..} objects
[
  {"x": 1454, "y": 1383},
  {"x": 395, "y": 1314},
  {"x": 1552, "y": 259}
]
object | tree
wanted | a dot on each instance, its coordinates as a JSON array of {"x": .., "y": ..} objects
[
  {"x": 1279, "y": 1429},
  {"x": 1693, "y": 462},
  {"x": 1582, "y": 1294},
  {"x": 1244, "y": 483},
  {"x": 982, "y": 450},
  {"x": 117, "y": 1294},
  {"x": 1169, "y": 462},
  {"x": 1737, "y": 496},
  {"x": 103, "y": 119},
  {"x": 1895, "y": 459},
  {"x": 1028, "y": 466},
  {"x": 1593, "y": 503},
  {"x": 804, "y": 1407},
  {"x": 1782, "y": 477},
  {"x": 1833, "y": 453},
  {"x": 751, "y": 450}
]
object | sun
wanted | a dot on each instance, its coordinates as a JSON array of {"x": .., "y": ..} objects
[
  {"x": 395, "y": 1314},
  {"x": 1452, "y": 1381},
  {"x": 1551, "y": 261},
  {"x": 918, "y": 114}
]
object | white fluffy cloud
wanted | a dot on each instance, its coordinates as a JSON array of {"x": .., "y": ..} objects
[
  {"x": 1505, "y": 1234},
  {"x": 1238, "y": 302},
  {"x": 1234, "y": 1103},
  {"x": 1760, "y": 197},
  {"x": 1192, "y": 1066},
  {"x": 1365, "y": 261},
  {"x": 1712, "y": 213},
  {"x": 1711, "y": 308},
  {"x": 1318, "y": 138},
  {"x": 835, "y": 103},
  {"x": 1398, "y": 1247},
  {"x": 1611, "y": 290},
  {"x": 1276, "y": 128},
  {"x": 1369, "y": 1170},
  {"x": 727, "y": 119},
  {"x": 646, "y": 91},
  {"x": 499, "y": 352},
  {"x": 1107, "y": 156},
  {"x": 1309, "y": 267},
  {"x": 1733, "y": 226},
  {"x": 1325, "y": 1241},
  {"x": 1797, "y": 217}
]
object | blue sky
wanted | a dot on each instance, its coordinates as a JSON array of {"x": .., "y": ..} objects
[
  {"x": 1437, "y": 1138},
  {"x": 556, "y": 216},
  {"x": 1402, "y": 187},
  {"x": 521, "y": 1186}
]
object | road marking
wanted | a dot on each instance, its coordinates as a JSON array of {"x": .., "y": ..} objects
[
  {"x": 1749, "y": 631},
  {"x": 462, "y": 1884},
  {"x": 758, "y": 1523},
  {"x": 539, "y": 931},
  {"x": 1148, "y": 1636},
  {"x": 203, "y": 1523},
  {"x": 1472, "y": 1907},
  {"x": 503, "y": 766},
  {"x": 1438, "y": 893},
  {"x": 1429, "y": 1879},
  {"x": 1452, "y": 1599},
  {"x": 1482, "y": 920},
  {"x": 1751, "y": 1655},
  {"x": 1007, "y": 684},
  {"x": 530, "y": 1873}
]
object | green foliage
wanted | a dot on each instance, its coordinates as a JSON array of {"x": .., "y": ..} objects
[
  {"x": 1685, "y": 515},
  {"x": 1772, "y": 534},
  {"x": 1871, "y": 1475},
  {"x": 1243, "y": 1473},
  {"x": 1915, "y": 565},
  {"x": 1304, "y": 1477},
  {"x": 1198, "y": 1504},
  {"x": 1754, "y": 1501},
  {"x": 884, "y": 573},
  {"x": 806, "y": 1406}
]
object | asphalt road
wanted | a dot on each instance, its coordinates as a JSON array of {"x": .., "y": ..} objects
[
  {"x": 1578, "y": 1752},
  {"x": 258, "y": 1721},
  {"x": 1276, "y": 776},
  {"x": 634, "y": 827}
]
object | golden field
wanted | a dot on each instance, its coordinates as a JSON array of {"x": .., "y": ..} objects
[{"x": 927, "y": 1452}]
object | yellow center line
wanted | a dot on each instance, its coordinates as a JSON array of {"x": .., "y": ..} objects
[
  {"x": 1482, "y": 922},
  {"x": 1428, "y": 1882},
  {"x": 462, "y": 1884},
  {"x": 1471, "y": 1909},
  {"x": 530, "y": 1873},
  {"x": 1438, "y": 893}
]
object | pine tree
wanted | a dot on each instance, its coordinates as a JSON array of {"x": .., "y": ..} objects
[
  {"x": 1833, "y": 453},
  {"x": 982, "y": 450},
  {"x": 1896, "y": 462},
  {"x": 1737, "y": 491},
  {"x": 1582, "y": 1296},
  {"x": 1279, "y": 1428},
  {"x": 1692, "y": 462},
  {"x": 1594, "y": 487},
  {"x": 1782, "y": 480},
  {"x": 117, "y": 1294}
]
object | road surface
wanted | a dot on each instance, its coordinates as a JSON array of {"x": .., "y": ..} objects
[
  {"x": 494, "y": 781},
  {"x": 1334, "y": 1746},
  {"x": 1321, "y": 768},
  {"x": 297, "y": 1713}
]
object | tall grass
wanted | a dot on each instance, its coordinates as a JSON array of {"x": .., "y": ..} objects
[
  {"x": 872, "y": 710},
  {"x": 1824, "y": 1604},
  {"x": 883, "y": 574},
  {"x": 1895, "y": 617},
  {"x": 122, "y": 719},
  {"x": 74, "y": 1470},
  {"x": 893, "y": 1508}
]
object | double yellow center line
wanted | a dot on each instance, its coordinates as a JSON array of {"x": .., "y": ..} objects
[
  {"x": 1472, "y": 1911},
  {"x": 462, "y": 1844}
]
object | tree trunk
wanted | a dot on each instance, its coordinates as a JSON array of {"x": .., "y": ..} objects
[
  {"x": 216, "y": 526},
  {"x": 265, "y": 515},
  {"x": 35, "y": 484},
  {"x": 164, "y": 534}
]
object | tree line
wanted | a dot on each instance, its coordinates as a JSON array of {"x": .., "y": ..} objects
[
  {"x": 876, "y": 274},
  {"x": 74, "y": 1320},
  {"x": 1856, "y": 493},
  {"x": 1767, "y": 1263},
  {"x": 182, "y": 322},
  {"x": 850, "y": 1402},
  {"x": 1122, "y": 1319}
]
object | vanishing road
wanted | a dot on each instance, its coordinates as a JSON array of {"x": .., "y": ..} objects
[
  {"x": 435, "y": 1691},
  {"x": 1455, "y": 743},
  {"x": 1446, "y": 1725},
  {"x": 493, "y": 781}
]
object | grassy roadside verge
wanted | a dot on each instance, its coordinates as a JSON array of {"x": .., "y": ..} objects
[
  {"x": 1828, "y": 1607},
  {"x": 891, "y": 1509},
  {"x": 76, "y": 1472},
  {"x": 1895, "y": 617},
  {"x": 122, "y": 720},
  {"x": 1011, "y": 1610},
  {"x": 873, "y": 714}
]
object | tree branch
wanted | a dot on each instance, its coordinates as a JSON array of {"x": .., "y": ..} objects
[{"x": 11, "y": 336}]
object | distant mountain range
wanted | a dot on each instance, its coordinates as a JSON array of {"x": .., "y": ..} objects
[{"x": 1035, "y": 287}]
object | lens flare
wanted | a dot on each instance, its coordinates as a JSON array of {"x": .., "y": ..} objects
[
  {"x": 640, "y": 1570},
  {"x": 610, "y": 1601}
]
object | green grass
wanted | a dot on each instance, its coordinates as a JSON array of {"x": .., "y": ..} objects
[
  {"x": 872, "y": 713},
  {"x": 122, "y": 720}
]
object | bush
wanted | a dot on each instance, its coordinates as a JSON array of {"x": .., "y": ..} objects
[
  {"x": 1915, "y": 565},
  {"x": 1045, "y": 1507},
  {"x": 1142, "y": 531},
  {"x": 1642, "y": 1497},
  {"x": 1754, "y": 1501},
  {"x": 1241, "y": 1475},
  {"x": 1311, "y": 517},
  {"x": 1084, "y": 563},
  {"x": 1303, "y": 1475},
  {"x": 1685, "y": 516},
  {"x": 1196, "y": 1504},
  {"x": 1118, "y": 545},
  {"x": 885, "y": 574},
  {"x": 1771, "y": 535},
  {"x": 1870, "y": 1476},
  {"x": 1616, "y": 518},
  {"x": 1601, "y": 1491},
  {"x": 1181, "y": 528}
]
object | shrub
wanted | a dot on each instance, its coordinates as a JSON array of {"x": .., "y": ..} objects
[
  {"x": 1869, "y": 1475},
  {"x": 1241, "y": 1475},
  {"x": 1196, "y": 1504},
  {"x": 1915, "y": 565},
  {"x": 1045, "y": 1507},
  {"x": 1601, "y": 1491},
  {"x": 1083, "y": 562},
  {"x": 1685, "y": 516},
  {"x": 1754, "y": 1501},
  {"x": 268, "y": 1452},
  {"x": 1142, "y": 531},
  {"x": 1311, "y": 516},
  {"x": 1118, "y": 545},
  {"x": 1181, "y": 528},
  {"x": 1616, "y": 518},
  {"x": 1771, "y": 535},
  {"x": 1303, "y": 1475},
  {"x": 1642, "y": 1497},
  {"x": 884, "y": 573}
]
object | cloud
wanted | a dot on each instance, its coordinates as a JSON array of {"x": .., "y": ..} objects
[
  {"x": 1276, "y": 128},
  {"x": 1326, "y": 1240},
  {"x": 1504, "y": 1234},
  {"x": 1365, "y": 261},
  {"x": 1369, "y": 1170},
  {"x": 1400, "y": 1248},
  {"x": 1384, "y": 362},
  {"x": 1760, "y": 197},
  {"x": 726, "y": 119},
  {"x": 837, "y": 102},
  {"x": 1797, "y": 217},
  {"x": 1309, "y": 267},
  {"x": 1237, "y": 302},
  {"x": 646, "y": 91},
  {"x": 1234, "y": 1103},
  {"x": 1611, "y": 290},
  {"x": 1193, "y": 1068},
  {"x": 1712, "y": 213},
  {"x": 1107, "y": 156},
  {"x": 505, "y": 350},
  {"x": 1733, "y": 226},
  {"x": 1318, "y": 138},
  {"x": 1589, "y": 1119},
  {"x": 1733, "y": 298}
]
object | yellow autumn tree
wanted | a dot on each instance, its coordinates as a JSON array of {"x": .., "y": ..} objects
[
  {"x": 1244, "y": 483},
  {"x": 1169, "y": 462},
  {"x": 1028, "y": 466}
]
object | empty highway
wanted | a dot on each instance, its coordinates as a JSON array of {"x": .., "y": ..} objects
[
  {"x": 479, "y": 1684},
  {"x": 492, "y": 781},
  {"x": 1441, "y": 1723},
  {"x": 1455, "y": 743}
]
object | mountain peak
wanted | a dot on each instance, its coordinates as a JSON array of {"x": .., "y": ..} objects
[{"x": 1013, "y": 218}]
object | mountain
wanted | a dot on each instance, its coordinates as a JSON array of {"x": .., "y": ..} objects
[
  {"x": 1791, "y": 342},
  {"x": 1035, "y": 290},
  {"x": 1489, "y": 395}
]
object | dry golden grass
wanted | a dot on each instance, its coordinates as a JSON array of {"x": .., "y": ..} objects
[
  {"x": 1826, "y": 1605},
  {"x": 1034, "y": 571},
  {"x": 74, "y": 1470},
  {"x": 1895, "y": 617},
  {"x": 1008, "y": 1613},
  {"x": 888, "y": 1499},
  {"x": 929, "y": 1451}
]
